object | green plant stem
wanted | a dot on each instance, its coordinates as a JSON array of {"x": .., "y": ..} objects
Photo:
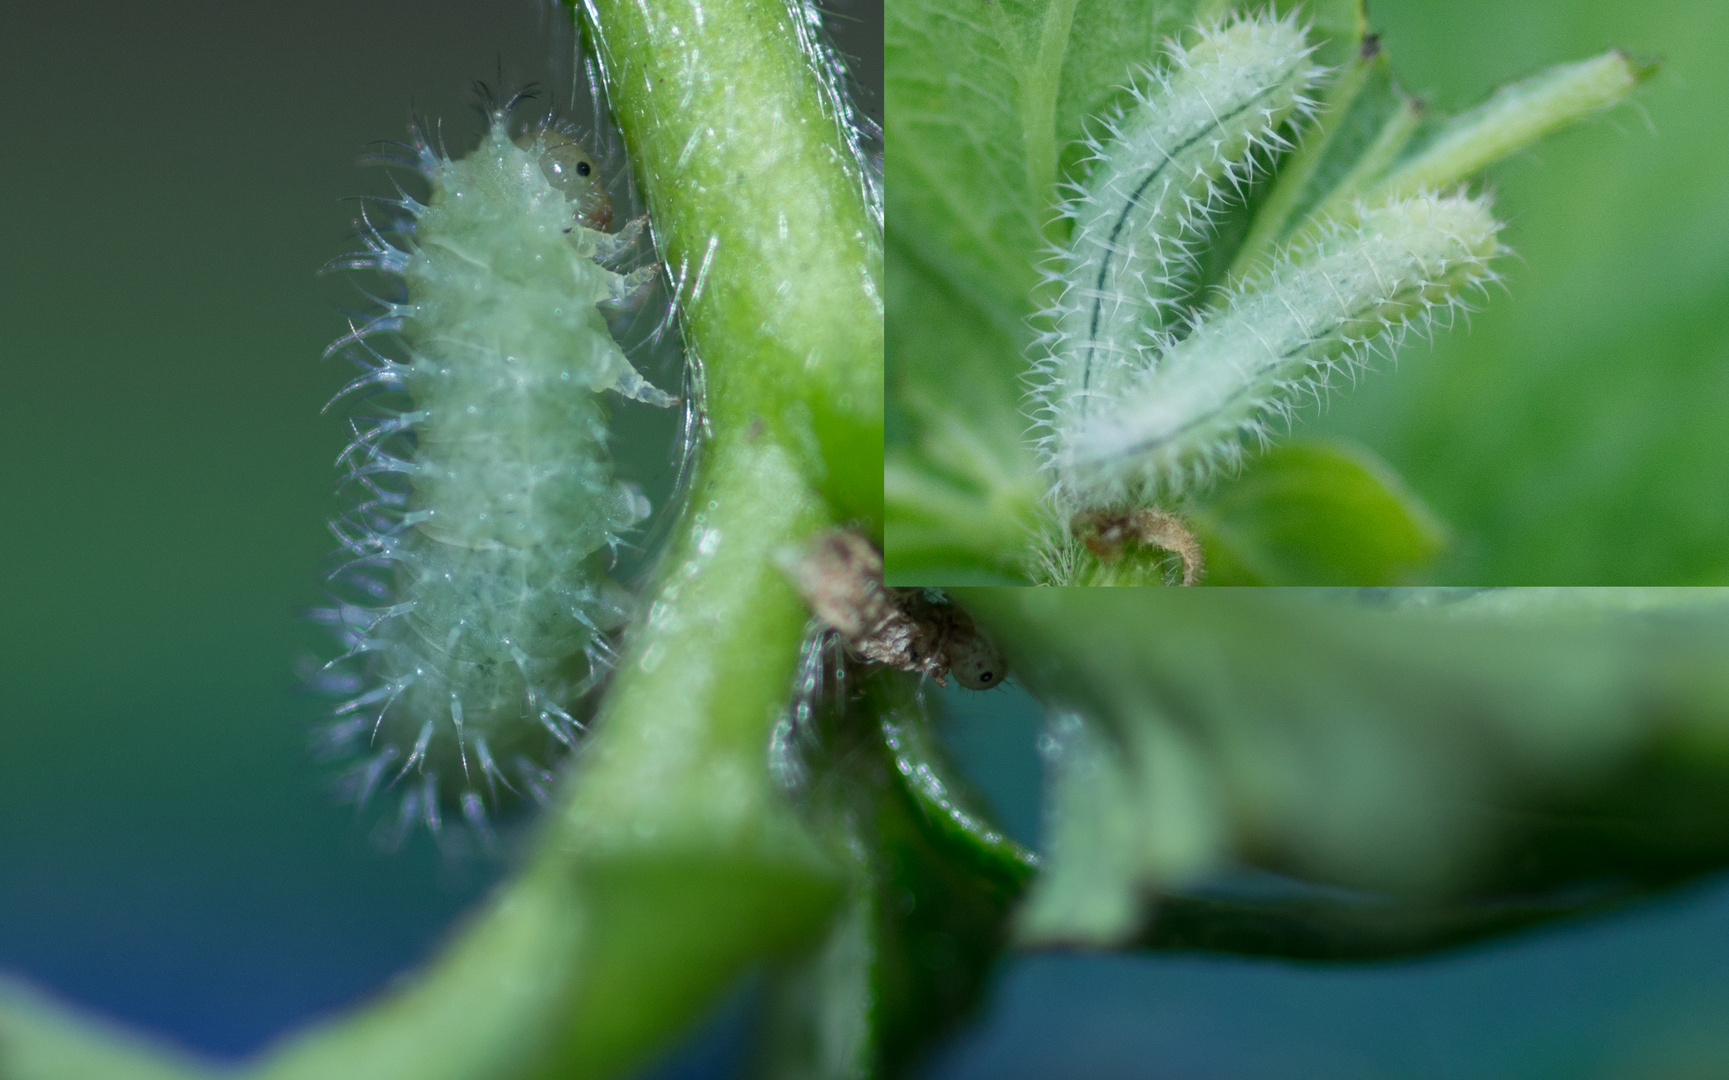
[
  {"x": 670, "y": 864},
  {"x": 696, "y": 866},
  {"x": 760, "y": 213}
]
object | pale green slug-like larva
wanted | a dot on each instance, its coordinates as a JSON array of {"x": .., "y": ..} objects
[{"x": 488, "y": 510}]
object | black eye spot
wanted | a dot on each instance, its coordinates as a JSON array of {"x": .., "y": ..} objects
[
  {"x": 582, "y": 168},
  {"x": 986, "y": 676}
]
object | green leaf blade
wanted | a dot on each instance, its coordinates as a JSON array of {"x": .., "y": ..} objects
[
  {"x": 1317, "y": 513},
  {"x": 1447, "y": 759},
  {"x": 1514, "y": 117}
]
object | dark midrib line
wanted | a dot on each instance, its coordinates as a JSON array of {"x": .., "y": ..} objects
[{"x": 1122, "y": 220}]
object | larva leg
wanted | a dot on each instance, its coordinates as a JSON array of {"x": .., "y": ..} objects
[
  {"x": 622, "y": 243},
  {"x": 628, "y": 288},
  {"x": 632, "y": 385}
]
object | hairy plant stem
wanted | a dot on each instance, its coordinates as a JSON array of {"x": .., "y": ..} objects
[
  {"x": 759, "y": 210},
  {"x": 670, "y": 863}
]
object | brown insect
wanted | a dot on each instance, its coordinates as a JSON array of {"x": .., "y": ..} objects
[{"x": 840, "y": 576}]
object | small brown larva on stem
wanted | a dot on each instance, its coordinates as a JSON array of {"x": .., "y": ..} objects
[{"x": 840, "y": 575}]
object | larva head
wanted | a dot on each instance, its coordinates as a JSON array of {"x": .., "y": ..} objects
[{"x": 573, "y": 172}]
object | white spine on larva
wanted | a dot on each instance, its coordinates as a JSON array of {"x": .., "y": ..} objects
[
  {"x": 489, "y": 504},
  {"x": 1192, "y": 131},
  {"x": 1275, "y": 340}
]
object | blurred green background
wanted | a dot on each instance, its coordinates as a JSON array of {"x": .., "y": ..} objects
[
  {"x": 168, "y": 851},
  {"x": 1579, "y": 432}
]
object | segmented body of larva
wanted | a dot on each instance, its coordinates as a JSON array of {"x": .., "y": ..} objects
[{"x": 488, "y": 505}]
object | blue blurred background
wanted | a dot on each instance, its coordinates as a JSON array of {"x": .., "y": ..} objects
[
  {"x": 1640, "y": 993},
  {"x": 169, "y": 855}
]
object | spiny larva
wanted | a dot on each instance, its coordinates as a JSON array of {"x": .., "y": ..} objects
[
  {"x": 1141, "y": 392},
  {"x": 488, "y": 508}
]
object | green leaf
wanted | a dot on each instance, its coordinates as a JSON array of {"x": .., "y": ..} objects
[
  {"x": 958, "y": 191},
  {"x": 43, "y": 1040},
  {"x": 958, "y": 476},
  {"x": 1447, "y": 757},
  {"x": 944, "y": 532},
  {"x": 941, "y": 923},
  {"x": 949, "y": 814},
  {"x": 1316, "y": 513},
  {"x": 966, "y": 369}
]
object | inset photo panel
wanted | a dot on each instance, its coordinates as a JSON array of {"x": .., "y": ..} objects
[{"x": 1209, "y": 292}]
